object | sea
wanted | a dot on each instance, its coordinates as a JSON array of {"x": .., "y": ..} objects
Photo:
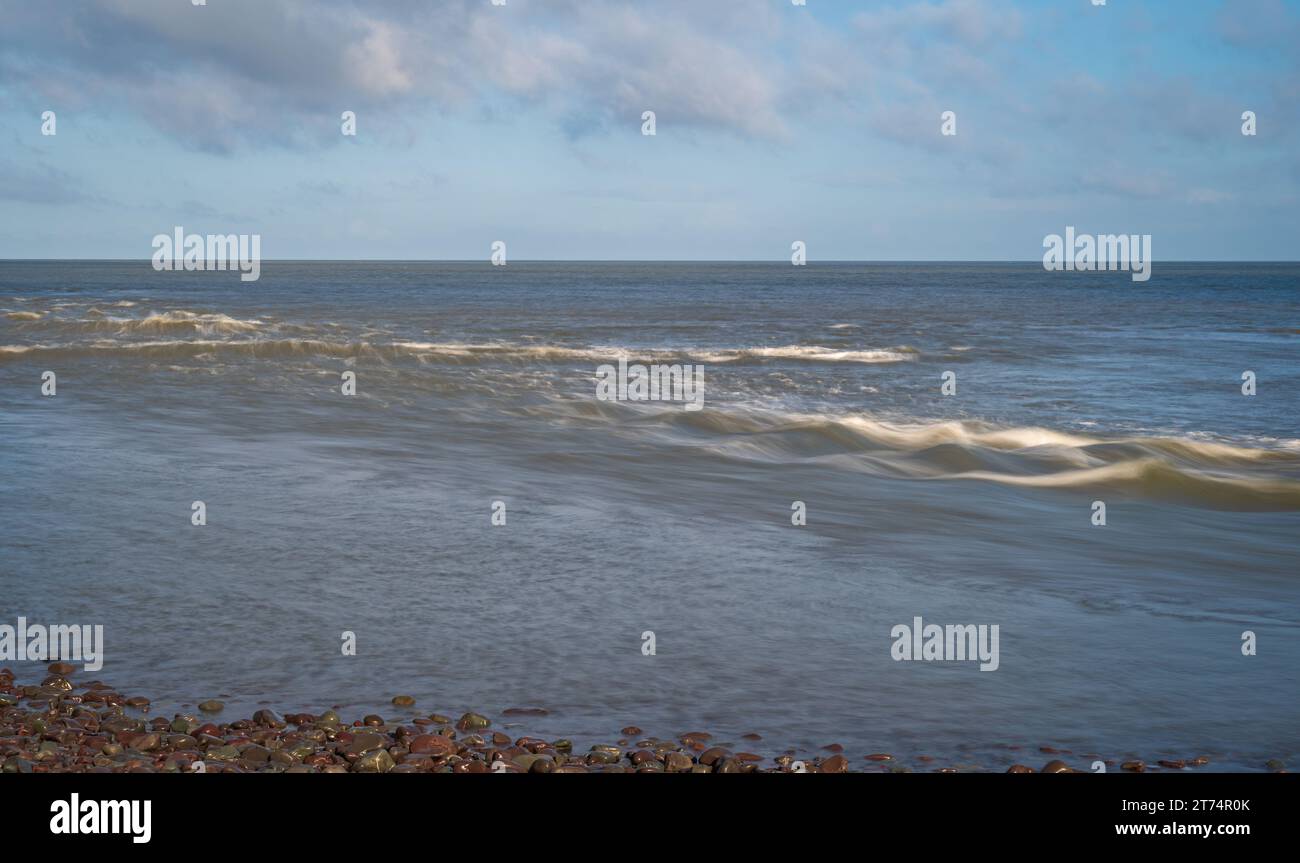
[{"x": 875, "y": 443}]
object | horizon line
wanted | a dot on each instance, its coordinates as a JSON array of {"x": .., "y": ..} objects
[{"x": 785, "y": 261}]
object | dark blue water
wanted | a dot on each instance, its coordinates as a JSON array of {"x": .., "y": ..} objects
[{"x": 371, "y": 513}]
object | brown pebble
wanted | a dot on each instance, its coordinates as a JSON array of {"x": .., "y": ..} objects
[
  {"x": 835, "y": 764},
  {"x": 524, "y": 711},
  {"x": 751, "y": 736},
  {"x": 403, "y": 701},
  {"x": 1056, "y": 766},
  {"x": 833, "y": 747},
  {"x": 631, "y": 731},
  {"x": 1019, "y": 768},
  {"x": 432, "y": 744},
  {"x": 61, "y": 668},
  {"x": 712, "y": 756},
  {"x": 1134, "y": 766},
  {"x": 880, "y": 756},
  {"x": 1173, "y": 765}
]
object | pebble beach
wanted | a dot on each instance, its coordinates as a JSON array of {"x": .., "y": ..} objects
[{"x": 57, "y": 726}]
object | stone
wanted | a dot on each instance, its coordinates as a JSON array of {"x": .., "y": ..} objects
[
  {"x": 713, "y": 756},
  {"x": 432, "y": 744},
  {"x": 835, "y": 764},
  {"x": 378, "y": 761},
  {"x": 365, "y": 742},
  {"x": 269, "y": 718},
  {"x": 473, "y": 722}
]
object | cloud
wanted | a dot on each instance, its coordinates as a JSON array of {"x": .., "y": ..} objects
[
  {"x": 240, "y": 73},
  {"x": 39, "y": 184}
]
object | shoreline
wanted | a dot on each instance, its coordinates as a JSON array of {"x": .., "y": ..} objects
[{"x": 57, "y": 726}]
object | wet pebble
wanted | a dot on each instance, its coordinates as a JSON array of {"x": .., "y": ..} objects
[
  {"x": 473, "y": 722},
  {"x": 834, "y": 764}
]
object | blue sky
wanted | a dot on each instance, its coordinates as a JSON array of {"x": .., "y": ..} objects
[{"x": 775, "y": 123}]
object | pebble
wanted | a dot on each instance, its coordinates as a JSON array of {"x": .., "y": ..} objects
[
  {"x": 61, "y": 727},
  {"x": 269, "y": 718},
  {"x": 473, "y": 722},
  {"x": 378, "y": 761},
  {"x": 712, "y": 756},
  {"x": 835, "y": 764},
  {"x": 403, "y": 701},
  {"x": 432, "y": 744},
  {"x": 365, "y": 742}
]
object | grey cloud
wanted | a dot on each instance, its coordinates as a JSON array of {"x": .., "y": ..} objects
[
  {"x": 239, "y": 73},
  {"x": 39, "y": 184}
]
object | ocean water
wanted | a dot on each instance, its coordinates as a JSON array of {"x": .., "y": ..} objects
[{"x": 372, "y": 513}]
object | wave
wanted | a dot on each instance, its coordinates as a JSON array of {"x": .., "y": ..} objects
[
  {"x": 192, "y": 348},
  {"x": 179, "y": 321},
  {"x": 1207, "y": 474},
  {"x": 447, "y": 352},
  {"x": 813, "y": 353}
]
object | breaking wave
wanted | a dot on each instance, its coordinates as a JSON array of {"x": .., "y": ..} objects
[{"x": 1207, "y": 474}]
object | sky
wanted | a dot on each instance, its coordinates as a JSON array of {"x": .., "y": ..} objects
[{"x": 774, "y": 123}]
